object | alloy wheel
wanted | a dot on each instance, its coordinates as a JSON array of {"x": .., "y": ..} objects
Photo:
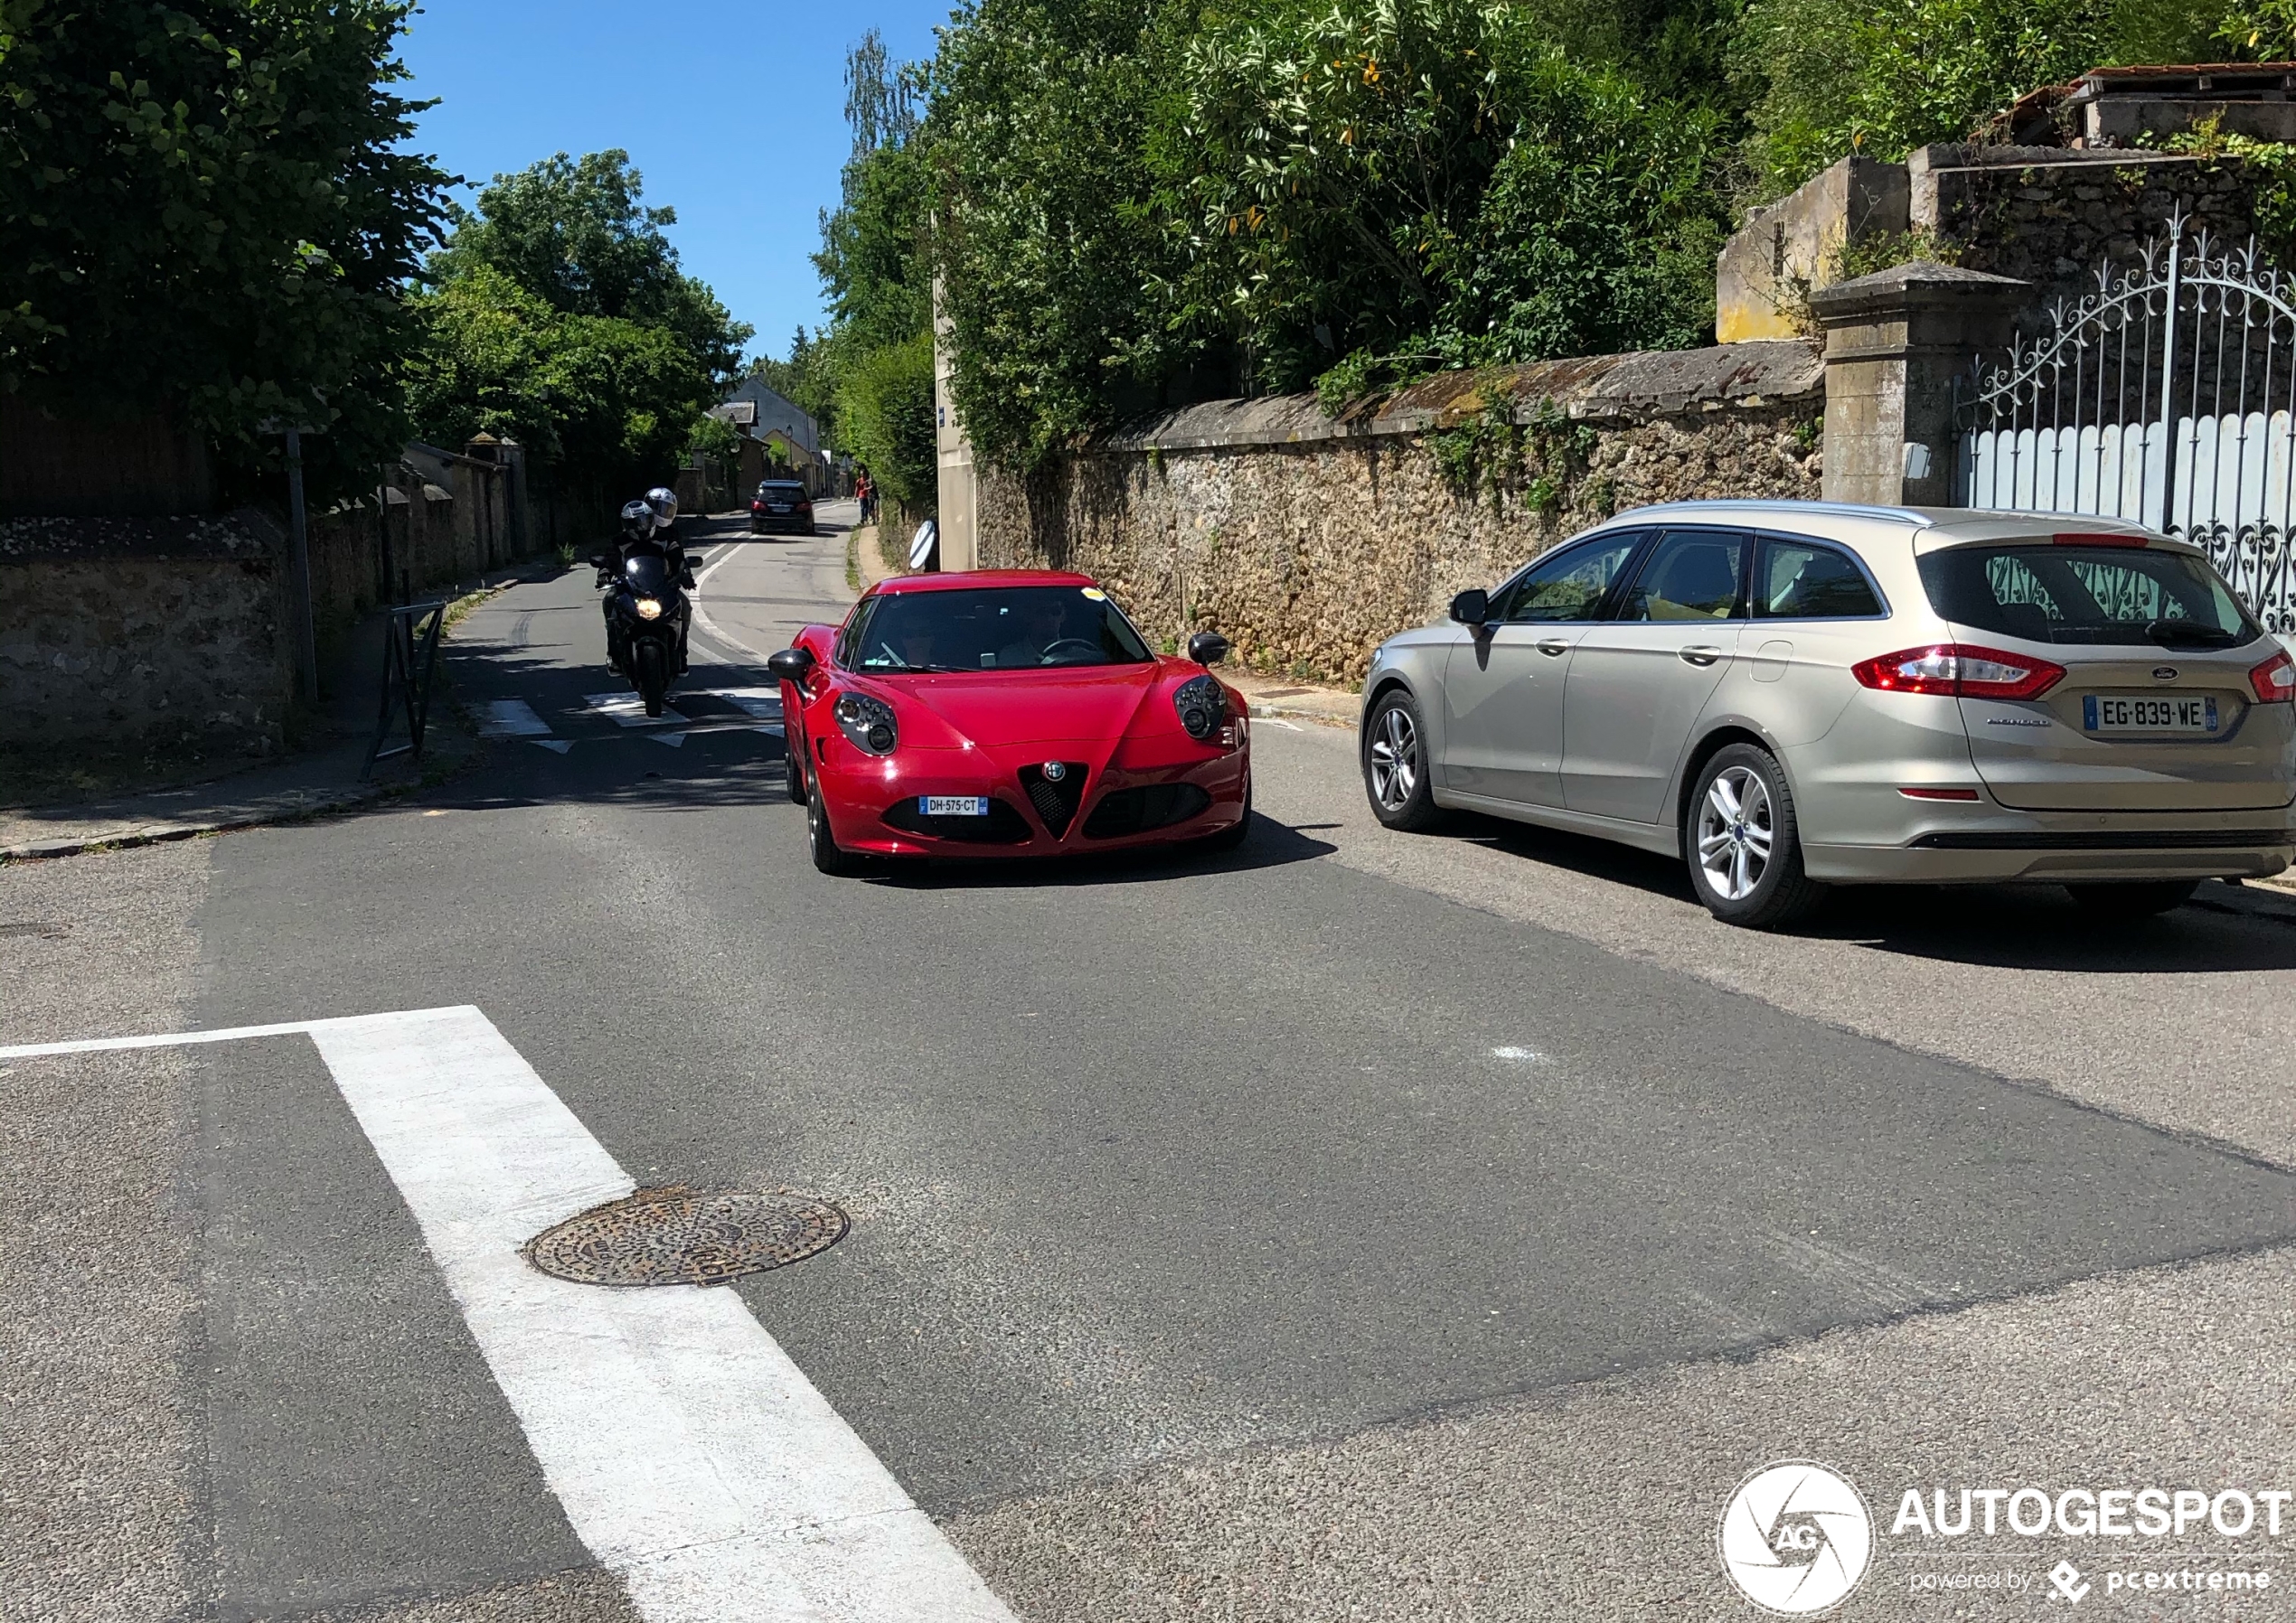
[
  {"x": 1736, "y": 830},
  {"x": 1395, "y": 759}
]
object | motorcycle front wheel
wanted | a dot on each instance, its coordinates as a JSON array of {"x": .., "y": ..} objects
[{"x": 653, "y": 674}]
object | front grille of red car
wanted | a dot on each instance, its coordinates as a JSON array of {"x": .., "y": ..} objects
[
  {"x": 1003, "y": 825},
  {"x": 1055, "y": 802},
  {"x": 1136, "y": 811}
]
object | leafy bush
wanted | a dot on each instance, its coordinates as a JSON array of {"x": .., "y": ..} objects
[
  {"x": 1882, "y": 77},
  {"x": 886, "y": 401}
]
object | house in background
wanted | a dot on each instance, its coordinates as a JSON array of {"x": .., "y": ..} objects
[{"x": 774, "y": 431}]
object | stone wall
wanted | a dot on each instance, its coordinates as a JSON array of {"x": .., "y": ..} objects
[
  {"x": 2049, "y": 216},
  {"x": 167, "y": 631},
  {"x": 1309, "y": 542},
  {"x": 2046, "y": 215}
]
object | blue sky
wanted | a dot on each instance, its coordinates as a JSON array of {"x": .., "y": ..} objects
[{"x": 735, "y": 113}]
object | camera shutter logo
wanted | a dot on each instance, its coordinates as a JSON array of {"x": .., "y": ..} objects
[{"x": 1796, "y": 1538}]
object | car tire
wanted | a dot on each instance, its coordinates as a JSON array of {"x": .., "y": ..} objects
[
  {"x": 2132, "y": 899},
  {"x": 1758, "y": 882},
  {"x": 1229, "y": 838},
  {"x": 1395, "y": 764},
  {"x": 828, "y": 855}
]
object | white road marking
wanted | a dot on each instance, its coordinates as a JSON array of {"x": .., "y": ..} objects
[
  {"x": 702, "y": 615},
  {"x": 1278, "y": 722},
  {"x": 628, "y": 709},
  {"x": 1529, "y": 1055},
  {"x": 674, "y": 740},
  {"x": 764, "y": 703},
  {"x": 557, "y": 745},
  {"x": 228, "y": 1033},
  {"x": 510, "y": 718},
  {"x": 692, "y": 1455}
]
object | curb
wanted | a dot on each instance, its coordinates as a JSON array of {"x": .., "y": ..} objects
[
  {"x": 162, "y": 833},
  {"x": 1288, "y": 713}
]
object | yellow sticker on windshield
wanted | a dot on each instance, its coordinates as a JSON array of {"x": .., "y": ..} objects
[{"x": 1096, "y": 594}]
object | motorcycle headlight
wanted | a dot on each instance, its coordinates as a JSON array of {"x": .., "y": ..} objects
[
  {"x": 649, "y": 608},
  {"x": 869, "y": 723},
  {"x": 1202, "y": 704}
]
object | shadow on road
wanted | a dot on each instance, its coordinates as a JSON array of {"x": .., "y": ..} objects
[{"x": 2224, "y": 929}]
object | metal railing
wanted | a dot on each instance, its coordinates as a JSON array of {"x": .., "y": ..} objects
[
  {"x": 409, "y": 661},
  {"x": 2167, "y": 394}
]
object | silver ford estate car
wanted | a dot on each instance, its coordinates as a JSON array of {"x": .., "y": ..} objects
[{"x": 1790, "y": 695}]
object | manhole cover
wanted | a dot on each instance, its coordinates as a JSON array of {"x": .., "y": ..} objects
[{"x": 679, "y": 1236}]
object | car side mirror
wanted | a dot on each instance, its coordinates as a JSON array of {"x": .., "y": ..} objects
[
  {"x": 791, "y": 664},
  {"x": 1471, "y": 607},
  {"x": 1207, "y": 648}
]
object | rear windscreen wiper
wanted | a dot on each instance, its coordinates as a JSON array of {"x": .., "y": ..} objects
[{"x": 2191, "y": 632}]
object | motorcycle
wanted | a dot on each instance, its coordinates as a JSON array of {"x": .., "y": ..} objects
[{"x": 647, "y": 615}]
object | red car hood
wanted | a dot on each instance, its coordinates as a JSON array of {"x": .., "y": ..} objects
[{"x": 995, "y": 710}]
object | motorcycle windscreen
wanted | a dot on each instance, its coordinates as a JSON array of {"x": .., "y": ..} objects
[{"x": 647, "y": 574}]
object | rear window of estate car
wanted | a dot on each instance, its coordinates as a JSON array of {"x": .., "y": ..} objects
[
  {"x": 2045, "y": 593},
  {"x": 992, "y": 628},
  {"x": 775, "y": 487}
]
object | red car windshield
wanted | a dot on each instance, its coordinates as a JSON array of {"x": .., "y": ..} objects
[{"x": 994, "y": 628}]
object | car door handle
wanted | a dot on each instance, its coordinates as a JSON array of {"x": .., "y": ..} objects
[
  {"x": 1698, "y": 653},
  {"x": 1554, "y": 645}
]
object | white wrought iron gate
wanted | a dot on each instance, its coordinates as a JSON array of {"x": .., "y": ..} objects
[{"x": 2167, "y": 396}]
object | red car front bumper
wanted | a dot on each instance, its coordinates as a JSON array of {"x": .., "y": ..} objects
[{"x": 873, "y": 803}]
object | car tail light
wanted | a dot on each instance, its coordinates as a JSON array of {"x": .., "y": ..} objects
[
  {"x": 2274, "y": 679},
  {"x": 1926, "y": 794},
  {"x": 1960, "y": 670},
  {"x": 2098, "y": 538}
]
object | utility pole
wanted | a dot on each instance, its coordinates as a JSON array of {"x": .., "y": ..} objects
[{"x": 306, "y": 645}]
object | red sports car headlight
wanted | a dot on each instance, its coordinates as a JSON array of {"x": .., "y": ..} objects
[
  {"x": 869, "y": 722},
  {"x": 1202, "y": 704}
]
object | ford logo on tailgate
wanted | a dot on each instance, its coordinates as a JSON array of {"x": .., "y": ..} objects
[{"x": 2164, "y": 674}]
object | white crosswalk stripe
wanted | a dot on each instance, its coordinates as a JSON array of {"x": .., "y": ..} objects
[
  {"x": 510, "y": 718},
  {"x": 692, "y": 1457}
]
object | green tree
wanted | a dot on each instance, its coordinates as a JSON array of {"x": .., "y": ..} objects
[
  {"x": 869, "y": 376},
  {"x": 210, "y": 208},
  {"x": 610, "y": 403},
  {"x": 1428, "y": 180},
  {"x": 1037, "y": 138},
  {"x": 576, "y": 233}
]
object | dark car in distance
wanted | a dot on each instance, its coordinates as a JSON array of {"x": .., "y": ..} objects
[{"x": 781, "y": 507}]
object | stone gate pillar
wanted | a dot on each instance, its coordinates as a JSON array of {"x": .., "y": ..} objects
[{"x": 1896, "y": 341}]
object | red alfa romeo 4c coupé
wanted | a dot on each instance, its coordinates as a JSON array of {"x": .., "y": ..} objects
[{"x": 995, "y": 713}]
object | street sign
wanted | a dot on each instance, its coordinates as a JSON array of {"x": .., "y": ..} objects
[{"x": 920, "y": 548}]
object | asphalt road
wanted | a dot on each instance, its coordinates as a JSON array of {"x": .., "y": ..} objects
[{"x": 1354, "y": 1225}]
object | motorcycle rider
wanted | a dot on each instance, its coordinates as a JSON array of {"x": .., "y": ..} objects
[
  {"x": 664, "y": 501},
  {"x": 638, "y": 519}
]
